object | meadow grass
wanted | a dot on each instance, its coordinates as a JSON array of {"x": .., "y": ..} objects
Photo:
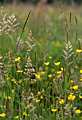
[{"x": 40, "y": 63}]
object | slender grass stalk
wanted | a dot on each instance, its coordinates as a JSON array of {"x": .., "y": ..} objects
[{"x": 19, "y": 38}]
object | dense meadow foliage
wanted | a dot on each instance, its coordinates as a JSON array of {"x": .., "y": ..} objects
[
  {"x": 40, "y": 63},
  {"x": 45, "y": 1}
]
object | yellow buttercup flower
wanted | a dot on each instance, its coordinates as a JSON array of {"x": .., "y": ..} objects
[
  {"x": 42, "y": 72},
  {"x": 81, "y": 79},
  {"x": 75, "y": 87},
  {"x": 19, "y": 71},
  {"x": 25, "y": 114},
  {"x": 38, "y": 76},
  {"x": 46, "y": 63},
  {"x": 71, "y": 97},
  {"x": 2, "y": 115},
  {"x": 79, "y": 51},
  {"x": 80, "y": 96},
  {"x": 50, "y": 57},
  {"x": 50, "y": 75},
  {"x": 71, "y": 81},
  {"x": 37, "y": 100},
  {"x": 54, "y": 109},
  {"x": 16, "y": 117},
  {"x": 41, "y": 97},
  {"x": 80, "y": 71},
  {"x": 61, "y": 101},
  {"x": 9, "y": 97},
  {"x": 57, "y": 63},
  {"x": 77, "y": 111},
  {"x": 62, "y": 69},
  {"x": 39, "y": 93},
  {"x": 14, "y": 81},
  {"x": 17, "y": 59},
  {"x": 59, "y": 72}
]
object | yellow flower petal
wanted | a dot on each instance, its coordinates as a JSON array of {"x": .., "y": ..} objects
[
  {"x": 2, "y": 115},
  {"x": 71, "y": 97},
  {"x": 25, "y": 114},
  {"x": 80, "y": 96},
  {"x": 46, "y": 63},
  {"x": 77, "y": 111},
  {"x": 81, "y": 71},
  {"x": 17, "y": 59},
  {"x": 54, "y": 110},
  {"x": 78, "y": 50},
  {"x": 75, "y": 87},
  {"x": 61, "y": 101},
  {"x": 57, "y": 63}
]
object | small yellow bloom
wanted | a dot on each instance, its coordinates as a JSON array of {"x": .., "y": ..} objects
[
  {"x": 79, "y": 51},
  {"x": 75, "y": 87},
  {"x": 57, "y": 63},
  {"x": 39, "y": 93},
  {"x": 37, "y": 100},
  {"x": 19, "y": 71},
  {"x": 81, "y": 71},
  {"x": 8, "y": 97},
  {"x": 37, "y": 76},
  {"x": 14, "y": 81},
  {"x": 46, "y": 63},
  {"x": 16, "y": 117},
  {"x": 42, "y": 72},
  {"x": 77, "y": 111},
  {"x": 71, "y": 81},
  {"x": 2, "y": 115},
  {"x": 54, "y": 109},
  {"x": 61, "y": 68},
  {"x": 50, "y": 75},
  {"x": 50, "y": 57},
  {"x": 71, "y": 97},
  {"x": 81, "y": 79},
  {"x": 59, "y": 72},
  {"x": 25, "y": 114},
  {"x": 17, "y": 59},
  {"x": 80, "y": 96},
  {"x": 41, "y": 97},
  {"x": 12, "y": 90},
  {"x": 61, "y": 101}
]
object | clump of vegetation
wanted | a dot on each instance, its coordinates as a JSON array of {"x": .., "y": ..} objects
[{"x": 35, "y": 85}]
